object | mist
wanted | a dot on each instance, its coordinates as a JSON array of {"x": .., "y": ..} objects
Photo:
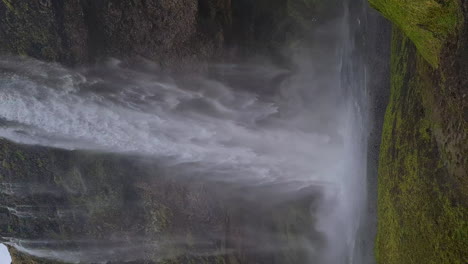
[{"x": 266, "y": 134}]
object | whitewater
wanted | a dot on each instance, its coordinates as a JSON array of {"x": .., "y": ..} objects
[{"x": 252, "y": 124}]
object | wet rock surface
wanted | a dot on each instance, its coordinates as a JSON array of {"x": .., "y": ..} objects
[
  {"x": 79, "y": 31},
  {"x": 95, "y": 208},
  {"x": 170, "y": 32}
]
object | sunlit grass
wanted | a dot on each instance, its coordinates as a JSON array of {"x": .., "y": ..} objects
[
  {"x": 422, "y": 218},
  {"x": 428, "y": 23}
]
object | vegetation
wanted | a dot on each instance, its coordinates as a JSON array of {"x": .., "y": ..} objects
[
  {"x": 428, "y": 23},
  {"x": 25, "y": 30},
  {"x": 422, "y": 214},
  {"x": 423, "y": 188}
]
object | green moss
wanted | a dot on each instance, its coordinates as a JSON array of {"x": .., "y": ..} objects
[
  {"x": 5, "y": 164},
  {"x": 421, "y": 217},
  {"x": 8, "y": 5},
  {"x": 25, "y": 30},
  {"x": 428, "y": 23},
  {"x": 159, "y": 217},
  {"x": 20, "y": 155}
]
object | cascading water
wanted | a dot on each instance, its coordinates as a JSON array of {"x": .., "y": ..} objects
[{"x": 248, "y": 125}]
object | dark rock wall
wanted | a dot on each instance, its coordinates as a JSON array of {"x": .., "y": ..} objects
[
  {"x": 49, "y": 30},
  {"x": 79, "y": 31},
  {"x": 61, "y": 203},
  {"x": 171, "y": 32}
]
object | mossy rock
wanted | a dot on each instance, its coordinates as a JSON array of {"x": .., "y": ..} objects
[
  {"x": 430, "y": 24},
  {"x": 422, "y": 202}
]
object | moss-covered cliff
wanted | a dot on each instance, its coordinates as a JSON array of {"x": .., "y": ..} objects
[
  {"x": 430, "y": 25},
  {"x": 423, "y": 186}
]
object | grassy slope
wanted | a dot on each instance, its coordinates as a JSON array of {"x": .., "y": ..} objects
[
  {"x": 423, "y": 188},
  {"x": 422, "y": 204},
  {"x": 428, "y": 23}
]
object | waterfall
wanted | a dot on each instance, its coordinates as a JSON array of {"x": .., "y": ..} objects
[{"x": 250, "y": 124}]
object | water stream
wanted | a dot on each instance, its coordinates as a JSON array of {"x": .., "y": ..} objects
[{"x": 255, "y": 126}]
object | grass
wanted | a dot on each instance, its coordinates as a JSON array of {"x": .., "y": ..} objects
[
  {"x": 422, "y": 213},
  {"x": 428, "y": 23}
]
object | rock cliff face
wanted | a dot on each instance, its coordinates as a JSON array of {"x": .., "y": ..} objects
[
  {"x": 78, "y": 31},
  {"x": 167, "y": 31},
  {"x": 99, "y": 207}
]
